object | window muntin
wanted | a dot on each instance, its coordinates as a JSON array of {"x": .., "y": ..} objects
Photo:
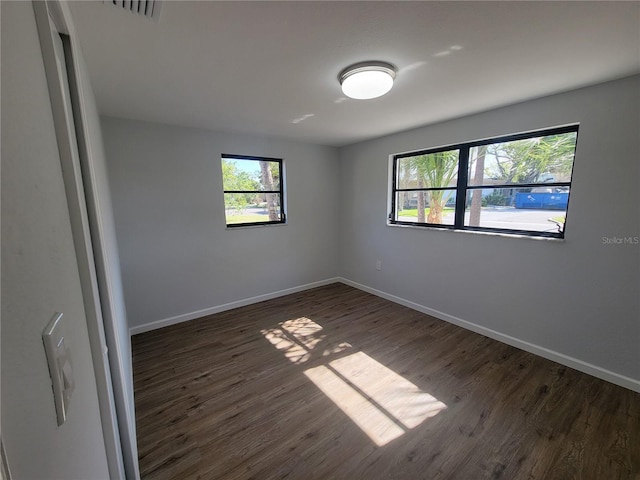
[
  {"x": 253, "y": 190},
  {"x": 518, "y": 184}
]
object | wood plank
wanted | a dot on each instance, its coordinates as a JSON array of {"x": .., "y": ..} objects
[{"x": 232, "y": 396}]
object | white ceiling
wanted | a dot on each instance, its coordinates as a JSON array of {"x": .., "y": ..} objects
[{"x": 270, "y": 68}]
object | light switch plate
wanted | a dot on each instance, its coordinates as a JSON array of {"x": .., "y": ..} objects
[{"x": 60, "y": 367}]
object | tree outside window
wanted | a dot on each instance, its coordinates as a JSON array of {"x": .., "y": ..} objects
[
  {"x": 514, "y": 184},
  {"x": 253, "y": 190}
]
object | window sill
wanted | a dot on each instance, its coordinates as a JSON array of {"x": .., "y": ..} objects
[
  {"x": 476, "y": 232},
  {"x": 242, "y": 227}
]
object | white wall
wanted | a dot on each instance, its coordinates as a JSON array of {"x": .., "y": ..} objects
[
  {"x": 579, "y": 298},
  {"x": 177, "y": 255},
  {"x": 39, "y": 276}
]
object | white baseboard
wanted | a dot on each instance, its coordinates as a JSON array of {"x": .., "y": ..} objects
[
  {"x": 604, "y": 374},
  {"x": 623, "y": 381},
  {"x": 227, "y": 306}
]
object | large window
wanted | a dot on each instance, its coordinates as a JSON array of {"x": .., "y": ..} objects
[
  {"x": 518, "y": 184},
  {"x": 253, "y": 190}
]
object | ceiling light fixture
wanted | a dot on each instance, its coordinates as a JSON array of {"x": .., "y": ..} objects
[{"x": 367, "y": 80}]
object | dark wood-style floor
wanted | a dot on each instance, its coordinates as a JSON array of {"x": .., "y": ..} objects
[{"x": 334, "y": 383}]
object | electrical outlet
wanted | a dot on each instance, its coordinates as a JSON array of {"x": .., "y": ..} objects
[{"x": 379, "y": 265}]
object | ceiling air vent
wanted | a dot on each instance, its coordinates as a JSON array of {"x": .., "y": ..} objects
[{"x": 146, "y": 8}]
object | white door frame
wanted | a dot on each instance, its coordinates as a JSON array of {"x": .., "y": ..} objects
[{"x": 53, "y": 20}]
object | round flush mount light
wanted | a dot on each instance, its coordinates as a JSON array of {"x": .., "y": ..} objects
[{"x": 367, "y": 80}]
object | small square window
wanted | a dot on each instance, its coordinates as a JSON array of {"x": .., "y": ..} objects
[{"x": 253, "y": 190}]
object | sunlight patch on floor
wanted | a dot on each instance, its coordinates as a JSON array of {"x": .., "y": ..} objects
[
  {"x": 296, "y": 338},
  {"x": 305, "y": 331},
  {"x": 378, "y": 426},
  {"x": 396, "y": 395},
  {"x": 340, "y": 347},
  {"x": 292, "y": 350},
  {"x": 383, "y": 404}
]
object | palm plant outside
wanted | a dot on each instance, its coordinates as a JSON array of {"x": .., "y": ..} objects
[
  {"x": 498, "y": 165},
  {"x": 433, "y": 170}
]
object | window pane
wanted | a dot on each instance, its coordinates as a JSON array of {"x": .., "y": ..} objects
[
  {"x": 252, "y": 208},
  {"x": 242, "y": 174},
  {"x": 539, "y": 209},
  {"x": 438, "y": 169},
  {"x": 269, "y": 176},
  {"x": 532, "y": 160},
  {"x": 438, "y": 206}
]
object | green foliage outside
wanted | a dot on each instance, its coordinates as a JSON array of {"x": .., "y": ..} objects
[
  {"x": 515, "y": 162},
  {"x": 524, "y": 161},
  {"x": 433, "y": 170},
  {"x": 255, "y": 185},
  {"x": 495, "y": 199},
  {"x": 247, "y": 218},
  {"x": 235, "y": 179}
]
